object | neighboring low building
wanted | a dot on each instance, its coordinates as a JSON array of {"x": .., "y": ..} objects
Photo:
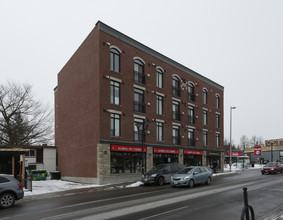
[
  {"x": 34, "y": 157},
  {"x": 119, "y": 101},
  {"x": 271, "y": 151}
]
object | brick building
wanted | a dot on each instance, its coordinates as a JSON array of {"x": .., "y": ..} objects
[{"x": 116, "y": 95}]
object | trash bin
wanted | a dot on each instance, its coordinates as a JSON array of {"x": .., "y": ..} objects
[
  {"x": 55, "y": 175},
  {"x": 38, "y": 174}
]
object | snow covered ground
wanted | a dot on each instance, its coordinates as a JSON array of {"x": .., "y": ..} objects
[{"x": 51, "y": 186}]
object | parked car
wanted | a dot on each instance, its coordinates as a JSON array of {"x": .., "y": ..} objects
[
  {"x": 161, "y": 173},
  {"x": 272, "y": 168},
  {"x": 10, "y": 190},
  {"x": 191, "y": 176}
]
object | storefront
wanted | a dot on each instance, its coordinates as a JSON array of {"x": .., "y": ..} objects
[
  {"x": 164, "y": 155},
  {"x": 126, "y": 159},
  {"x": 193, "y": 158}
]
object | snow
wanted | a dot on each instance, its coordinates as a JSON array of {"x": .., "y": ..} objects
[{"x": 51, "y": 186}]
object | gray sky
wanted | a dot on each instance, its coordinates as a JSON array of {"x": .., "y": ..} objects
[{"x": 236, "y": 43}]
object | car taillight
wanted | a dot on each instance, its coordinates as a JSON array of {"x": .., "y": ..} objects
[{"x": 20, "y": 185}]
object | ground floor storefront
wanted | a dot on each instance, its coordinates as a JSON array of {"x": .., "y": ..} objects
[{"x": 125, "y": 162}]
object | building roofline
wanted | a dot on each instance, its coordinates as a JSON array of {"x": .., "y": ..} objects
[{"x": 117, "y": 34}]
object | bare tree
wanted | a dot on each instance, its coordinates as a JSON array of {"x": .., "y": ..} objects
[
  {"x": 23, "y": 120},
  {"x": 244, "y": 142},
  {"x": 256, "y": 140}
]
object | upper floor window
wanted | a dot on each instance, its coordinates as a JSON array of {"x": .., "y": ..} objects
[
  {"x": 204, "y": 117},
  {"x": 139, "y": 105},
  {"x": 139, "y": 75},
  {"x": 191, "y": 92},
  {"x": 31, "y": 153},
  {"x": 176, "y": 86},
  {"x": 114, "y": 60},
  {"x": 159, "y": 131},
  {"x": 159, "y": 105},
  {"x": 205, "y": 138},
  {"x": 159, "y": 78},
  {"x": 176, "y": 111},
  {"x": 191, "y": 137},
  {"x": 191, "y": 114},
  {"x": 176, "y": 135},
  {"x": 217, "y": 101},
  {"x": 217, "y": 121},
  {"x": 115, "y": 125},
  {"x": 138, "y": 130},
  {"x": 115, "y": 93},
  {"x": 204, "y": 96},
  {"x": 217, "y": 140}
]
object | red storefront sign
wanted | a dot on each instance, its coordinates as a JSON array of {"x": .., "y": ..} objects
[
  {"x": 165, "y": 151},
  {"x": 235, "y": 154},
  {"x": 193, "y": 152},
  {"x": 128, "y": 148},
  {"x": 257, "y": 151}
]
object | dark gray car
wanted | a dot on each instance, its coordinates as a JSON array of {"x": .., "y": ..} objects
[
  {"x": 10, "y": 190},
  {"x": 161, "y": 173}
]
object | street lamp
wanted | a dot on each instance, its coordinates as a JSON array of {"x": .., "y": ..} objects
[
  {"x": 230, "y": 163},
  {"x": 140, "y": 127}
]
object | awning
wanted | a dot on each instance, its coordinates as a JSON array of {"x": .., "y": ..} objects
[{"x": 12, "y": 151}]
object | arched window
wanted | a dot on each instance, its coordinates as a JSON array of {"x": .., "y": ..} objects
[
  {"x": 176, "y": 86},
  {"x": 159, "y": 78},
  {"x": 191, "y": 92},
  {"x": 114, "y": 60},
  {"x": 205, "y": 96},
  {"x": 217, "y": 101},
  {"x": 139, "y": 75}
]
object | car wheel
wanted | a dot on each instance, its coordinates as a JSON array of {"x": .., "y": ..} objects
[
  {"x": 7, "y": 200},
  {"x": 208, "y": 181},
  {"x": 161, "y": 181},
  {"x": 191, "y": 184}
]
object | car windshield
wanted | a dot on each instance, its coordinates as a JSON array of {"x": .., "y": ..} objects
[
  {"x": 157, "y": 168},
  {"x": 271, "y": 165},
  {"x": 185, "y": 170}
]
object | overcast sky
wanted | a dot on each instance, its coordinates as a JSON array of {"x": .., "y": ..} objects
[{"x": 236, "y": 43}]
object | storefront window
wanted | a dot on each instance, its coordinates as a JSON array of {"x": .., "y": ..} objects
[
  {"x": 126, "y": 162},
  {"x": 192, "y": 160},
  {"x": 165, "y": 158}
]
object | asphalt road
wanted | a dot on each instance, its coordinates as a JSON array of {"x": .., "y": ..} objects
[{"x": 223, "y": 199}]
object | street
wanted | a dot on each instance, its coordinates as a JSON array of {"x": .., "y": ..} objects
[{"x": 223, "y": 199}]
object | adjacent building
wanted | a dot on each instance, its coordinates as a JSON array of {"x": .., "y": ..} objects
[{"x": 118, "y": 101}]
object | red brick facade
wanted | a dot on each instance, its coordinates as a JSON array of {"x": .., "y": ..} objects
[{"x": 82, "y": 103}]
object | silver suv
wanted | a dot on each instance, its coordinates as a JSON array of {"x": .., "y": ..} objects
[{"x": 10, "y": 191}]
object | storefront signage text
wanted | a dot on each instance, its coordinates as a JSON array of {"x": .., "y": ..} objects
[
  {"x": 128, "y": 148},
  {"x": 165, "y": 151},
  {"x": 194, "y": 152}
]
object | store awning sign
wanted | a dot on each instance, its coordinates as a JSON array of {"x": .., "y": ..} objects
[
  {"x": 128, "y": 148},
  {"x": 193, "y": 152},
  {"x": 257, "y": 151},
  {"x": 165, "y": 151},
  {"x": 235, "y": 154}
]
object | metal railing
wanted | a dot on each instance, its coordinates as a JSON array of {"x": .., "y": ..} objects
[
  {"x": 139, "y": 77},
  {"x": 139, "y": 107}
]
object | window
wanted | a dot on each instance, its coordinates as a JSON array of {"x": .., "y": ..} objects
[
  {"x": 205, "y": 96},
  {"x": 191, "y": 137},
  {"x": 115, "y": 93},
  {"x": 114, "y": 60},
  {"x": 139, "y": 105},
  {"x": 205, "y": 138},
  {"x": 159, "y": 131},
  {"x": 115, "y": 125},
  {"x": 217, "y": 101},
  {"x": 217, "y": 140},
  {"x": 191, "y": 92},
  {"x": 31, "y": 153},
  {"x": 4, "y": 180},
  {"x": 159, "y": 78},
  {"x": 176, "y": 86},
  {"x": 204, "y": 117},
  {"x": 159, "y": 105},
  {"x": 138, "y": 130},
  {"x": 176, "y": 135},
  {"x": 191, "y": 114},
  {"x": 217, "y": 121},
  {"x": 139, "y": 75},
  {"x": 176, "y": 111}
]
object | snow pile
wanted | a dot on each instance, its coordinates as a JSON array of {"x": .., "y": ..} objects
[
  {"x": 50, "y": 186},
  {"x": 135, "y": 184}
]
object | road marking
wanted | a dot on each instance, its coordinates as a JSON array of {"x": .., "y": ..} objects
[{"x": 163, "y": 213}]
